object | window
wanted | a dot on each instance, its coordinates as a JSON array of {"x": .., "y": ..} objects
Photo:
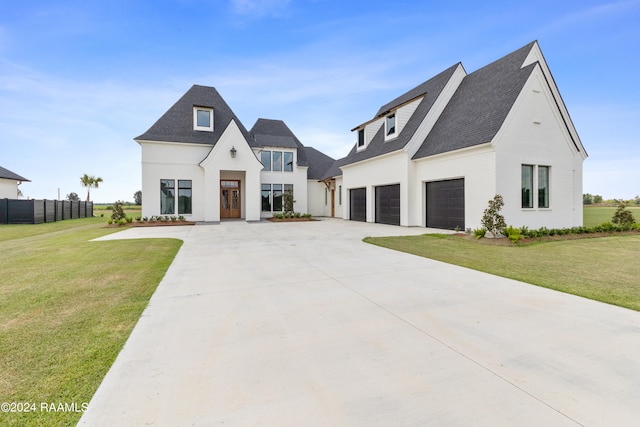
[
  {"x": 277, "y": 161},
  {"x": 543, "y": 186},
  {"x": 326, "y": 196},
  {"x": 391, "y": 124},
  {"x": 167, "y": 196},
  {"x": 266, "y": 197},
  {"x": 360, "y": 138},
  {"x": 527, "y": 186},
  {"x": 277, "y": 197},
  {"x": 535, "y": 179},
  {"x": 340, "y": 194},
  {"x": 203, "y": 119},
  {"x": 265, "y": 158},
  {"x": 288, "y": 161},
  {"x": 184, "y": 197}
]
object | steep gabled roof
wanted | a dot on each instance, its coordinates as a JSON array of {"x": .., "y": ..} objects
[
  {"x": 7, "y": 174},
  {"x": 176, "y": 125},
  {"x": 479, "y": 106},
  {"x": 429, "y": 91},
  {"x": 275, "y": 133}
]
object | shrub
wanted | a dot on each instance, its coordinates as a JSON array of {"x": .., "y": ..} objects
[
  {"x": 491, "y": 219},
  {"x": 129, "y": 219},
  {"x": 479, "y": 232},
  {"x": 174, "y": 219},
  {"x": 513, "y": 233},
  {"x": 287, "y": 201},
  {"x": 109, "y": 221},
  {"x": 623, "y": 216},
  {"x": 122, "y": 221},
  {"x": 181, "y": 218}
]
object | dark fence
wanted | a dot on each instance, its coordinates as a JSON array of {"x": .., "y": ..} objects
[{"x": 38, "y": 211}]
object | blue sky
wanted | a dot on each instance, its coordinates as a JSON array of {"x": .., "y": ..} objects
[{"x": 80, "y": 79}]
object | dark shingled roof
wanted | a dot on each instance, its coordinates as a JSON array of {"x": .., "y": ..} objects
[
  {"x": 431, "y": 89},
  {"x": 275, "y": 133},
  {"x": 319, "y": 163},
  {"x": 176, "y": 125},
  {"x": 7, "y": 174},
  {"x": 480, "y": 105}
]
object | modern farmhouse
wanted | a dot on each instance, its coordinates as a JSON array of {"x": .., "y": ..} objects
[{"x": 432, "y": 157}]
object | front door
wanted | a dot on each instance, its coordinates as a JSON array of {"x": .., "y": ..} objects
[{"x": 229, "y": 198}]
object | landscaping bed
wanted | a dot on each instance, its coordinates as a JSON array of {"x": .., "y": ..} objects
[{"x": 301, "y": 219}]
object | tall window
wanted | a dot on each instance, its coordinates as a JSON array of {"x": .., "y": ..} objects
[
  {"x": 360, "y": 137},
  {"x": 288, "y": 161},
  {"x": 543, "y": 186},
  {"x": 527, "y": 186},
  {"x": 266, "y": 197},
  {"x": 277, "y": 161},
  {"x": 184, "y": 197},
  {"x": 277, "y": 197},
  {"x": 167, "y": 196},
  {"x": 265, "y": 158},
  {"x": 391, "y": 124},
  {"x": 340, "y": 194},
  {"x": 534, "y": 176}
]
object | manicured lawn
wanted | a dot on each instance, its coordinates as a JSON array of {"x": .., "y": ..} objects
[
  {"x": 596, "y": 215},
  {"x": 67, "y": 305},
  {"x": 604, "y": 269}
]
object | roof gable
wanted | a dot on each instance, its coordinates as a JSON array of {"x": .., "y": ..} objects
[
  {"x": 7, "y": 174},
  {"x": 480, "y": 105},
  {"x": 176, "y": 125},
  {"x": 429, "y": 91}
]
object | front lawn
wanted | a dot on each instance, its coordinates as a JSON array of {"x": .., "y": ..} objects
[
  {"x": 67, "y": 305},
  {"x": 596, "y": 215},
  {"x": 604, "y": 269}
]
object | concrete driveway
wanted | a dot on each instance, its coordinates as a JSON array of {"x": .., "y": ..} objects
[{"x": 303, "y": 324}]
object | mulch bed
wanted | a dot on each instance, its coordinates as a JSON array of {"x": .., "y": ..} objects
[
  {"x": 503, "y": 241},
  {"x": 152, "y": 224}
]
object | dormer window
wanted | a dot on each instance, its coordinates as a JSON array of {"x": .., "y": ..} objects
[
  {"x": 203, "y": 119},
  {"x": 390, "y": 124},
  {"x": 361, "y": 138}
]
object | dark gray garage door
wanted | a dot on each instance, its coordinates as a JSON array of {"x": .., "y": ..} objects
[
  {"x": 388, "y": 204},
  {"x": 358, "y": 204},
  {"x": 445, "y": 204}
]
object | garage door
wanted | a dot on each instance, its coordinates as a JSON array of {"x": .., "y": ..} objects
[
  {"x": 358, "y": 204},
  {"x": 388, "y": 204},
  {"x": 445, "y": 204}
]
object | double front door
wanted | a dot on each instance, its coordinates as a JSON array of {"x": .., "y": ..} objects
[{"x": 229, "y": 198}]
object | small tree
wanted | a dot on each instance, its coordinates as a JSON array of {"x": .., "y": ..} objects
[
  {"x": 73, "y": 196},
  {"x": 587, "y": 199},
  {"x": 623, "y": 216},
  {"x": 137, "y": 197},
  {"x": 491, "y": 218},
  {"x": 118, "y": 213},
  {"x": 288, "y": 201},
  {"x": 597, "y": 199}
]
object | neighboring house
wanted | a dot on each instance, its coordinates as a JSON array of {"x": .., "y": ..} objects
[
  {"x": 435, "y": 156},
  {"x": 9, "y": 182},
  {"x": 199, "y": 161}
]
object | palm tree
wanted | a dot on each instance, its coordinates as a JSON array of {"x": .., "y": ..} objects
[{"x": 90, "y": 181}]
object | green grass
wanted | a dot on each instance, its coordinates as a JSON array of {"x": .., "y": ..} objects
[
  {"x": 67, "y": 305},
  {"x": 604, "y": 269},
  {"x": 596, "y": 215}
]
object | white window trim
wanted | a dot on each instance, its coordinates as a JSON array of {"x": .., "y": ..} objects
[
  {"x": 536, "y": 187},
  {"x": 195, "y": 119},
  {"x": 388, "y": 135},
  {"x": 364, "y": 139}
]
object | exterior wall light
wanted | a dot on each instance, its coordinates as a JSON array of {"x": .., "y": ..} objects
[{"x": 233, "y": 152}]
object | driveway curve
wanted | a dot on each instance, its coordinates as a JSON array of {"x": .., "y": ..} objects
[{"x": 303, "y": 324}]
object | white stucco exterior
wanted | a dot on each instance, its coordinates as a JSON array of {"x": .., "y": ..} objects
[{"x": 8, "y": 188}]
